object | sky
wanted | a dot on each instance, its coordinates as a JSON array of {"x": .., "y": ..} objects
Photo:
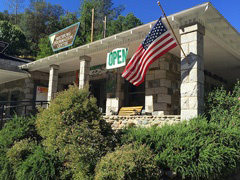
[{"x": 148, "y": 10}]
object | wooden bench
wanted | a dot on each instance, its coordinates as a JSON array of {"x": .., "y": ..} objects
[{"x": 130, "y": 111}]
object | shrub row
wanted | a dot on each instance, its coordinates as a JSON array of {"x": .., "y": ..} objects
[{"x": 70, "y": 140}]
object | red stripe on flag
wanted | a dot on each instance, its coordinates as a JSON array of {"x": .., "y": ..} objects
[
  {"x": 159, "y": 55},
  {"x": 144, "y": 61},
  {"x": 141, "y": 60}
]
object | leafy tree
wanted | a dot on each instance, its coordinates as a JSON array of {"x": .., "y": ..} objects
[
  {"x": 14, "y": 36},
  {"x": 45, "y": 48},
  {"x": 123, "y": 23},
  {"x": 102, "y": 8},
  {"x": 40, "y": 19},
  {"x": 15, "y": 6}
]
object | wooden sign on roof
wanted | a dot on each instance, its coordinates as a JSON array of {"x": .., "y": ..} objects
[{"x": 64, "y": 38}]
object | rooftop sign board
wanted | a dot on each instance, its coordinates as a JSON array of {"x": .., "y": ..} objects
[
  {"x": 117, "y": 58},
  {"x": 64, "y": 38},
  {"x": 3, "y": 46}
]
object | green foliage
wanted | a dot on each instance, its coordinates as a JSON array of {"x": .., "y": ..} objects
[
  {"x": 128, "y": 162},
  {"x": 194, "y": 150},
  {"x": 19, "y": 151},
  {"x": 45, "y": 48},
  {"x": 123, "y": 23},
  {"x": 39, "y": 165},
  {"x": 72, "y": 128},
  {"x": 40, "y": 19},
  {"x": 224, "y": 107},
  {"x": 14, "y": 36},
  {"x": 15, "y": 130}
]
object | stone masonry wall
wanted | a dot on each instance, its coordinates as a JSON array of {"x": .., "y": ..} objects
[
  {"x": 22, "y": 88},
  {"x": 120, "y": 122},
  {"x": 163, "y": 84}
]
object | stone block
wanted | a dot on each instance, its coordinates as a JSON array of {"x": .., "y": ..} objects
[
  {"x": 160, "y": 106},
  {"x": 164, "y": 98},
  {"x": 189, "y": 89},
  {"x": 188, "y": 114},
  {"x": 150, "y": 77},
  {"x": 29, "y": 96},
  {"x": 184, "y": 103},
  {"x": 164, "y": 65},
  {"x": 154, "y": 64},
  {"x": 159, "y": 74},
  {"x": 149, "y": 91},
  {"x": 29, "y": 85},
  {"x": 161, "y": 90},
  {"x": 149, "y": 100},
  {"x": 189, "y": 37},
  {"x": 158, "y": 113},
  {"x": 153, "y": 83},
  {"x": 192, "y": 28},
  {"x": 148, "y": 108},
  {"x": 196, "y": 48},
  {"x": 193, "y": 103},
  {"x": 165, "y": 83},
  {"x": 196, "y": 75}
]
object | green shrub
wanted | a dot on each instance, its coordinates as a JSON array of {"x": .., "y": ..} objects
[
  {"x": 72, "y": 128},
  {"x": 223, "y": 107},
  {"x": 128, "y": 162},
  {"x": 15, "y": 130},
  {"x": 194, "y": 150},
  {"x": 20, "y": 151},
  {"x": 39, "y": 165}
]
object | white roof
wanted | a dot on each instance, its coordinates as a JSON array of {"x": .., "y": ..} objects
[{"x": 221, "y": 44}]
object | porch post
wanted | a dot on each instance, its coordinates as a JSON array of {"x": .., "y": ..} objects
[
  {"x": 84, "y": 71},
  {"x": 192, "y": 75},
  {"x": 53, "y": 81}
]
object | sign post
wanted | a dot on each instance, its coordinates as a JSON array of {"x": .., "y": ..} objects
[
  {"x": 64, "y": 38},
  {"x": 3, "y": 46},
  {"x": 117, "y": 58}
]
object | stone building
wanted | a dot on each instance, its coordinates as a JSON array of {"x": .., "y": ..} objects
[{"x": 171, "y": 86}]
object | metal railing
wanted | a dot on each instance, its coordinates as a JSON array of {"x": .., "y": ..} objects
[{"x": 8, "y": 109}]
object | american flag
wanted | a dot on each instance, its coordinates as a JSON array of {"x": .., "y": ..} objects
[{"x": 158, "y": 42}]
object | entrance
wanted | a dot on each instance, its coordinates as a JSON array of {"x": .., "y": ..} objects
[
  {"x": 98, "y": 90},
  {"x": 134, "y": 95}
]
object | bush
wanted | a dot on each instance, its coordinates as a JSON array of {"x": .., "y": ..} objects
[
  {"x": 194, "y": 150},
  {"x": 128, "y": 162},
  {"x": 39, "y": 165},
  {"x": 15, "y": 130},
  {"x": 223, "y": 107},
  {"x": 72, "y": 128}
]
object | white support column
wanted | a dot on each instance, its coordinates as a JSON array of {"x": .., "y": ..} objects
[
  {"x": 192, "y": 75},
  {"x": 53, "y": 81},
  {"x": 84, "y": 71}
]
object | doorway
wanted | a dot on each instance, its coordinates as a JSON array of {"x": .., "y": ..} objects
[
  {"x": 134, "y": 95},
  {"x": 98, "y": 90}
]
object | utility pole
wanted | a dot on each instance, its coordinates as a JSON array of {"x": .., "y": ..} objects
[
  {"x": 104, "y": 26},
  {"x": 92, "y": 33}
]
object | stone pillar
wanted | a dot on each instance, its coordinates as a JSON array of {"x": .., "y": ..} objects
[
  {"x": 84, "y": 71},
  {"x": 53, "y": 81},
  {"x": 192, "y": 75}
]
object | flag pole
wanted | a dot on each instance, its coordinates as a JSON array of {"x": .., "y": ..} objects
[{"x": 172, "y": 31}]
